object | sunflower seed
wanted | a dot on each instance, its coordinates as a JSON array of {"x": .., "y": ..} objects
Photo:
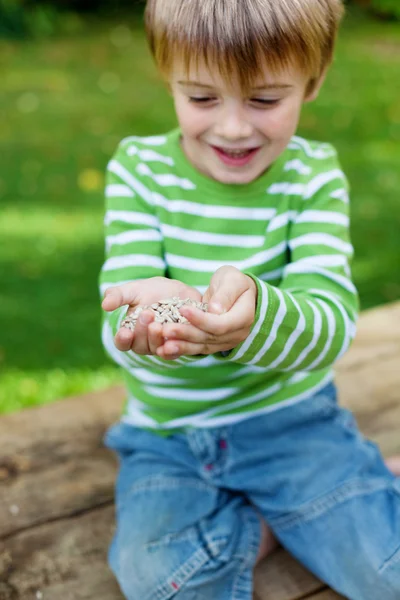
[{"x": 165, "y": 311}]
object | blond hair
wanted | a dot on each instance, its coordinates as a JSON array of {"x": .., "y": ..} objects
[{"x": 239, "y": 35}]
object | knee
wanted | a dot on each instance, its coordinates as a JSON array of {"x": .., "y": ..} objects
[{"x": 166, "y": 568}]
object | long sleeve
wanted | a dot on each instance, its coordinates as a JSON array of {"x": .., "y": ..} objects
[
  {"x": 133, "y": 246},
  {"x": 309, "y": 321}
]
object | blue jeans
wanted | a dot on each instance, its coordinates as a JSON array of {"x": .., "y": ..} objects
[{"x": 188, "y": 506}]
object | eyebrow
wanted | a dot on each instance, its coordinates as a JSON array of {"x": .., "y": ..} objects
[{"x": 267, "y": 86}]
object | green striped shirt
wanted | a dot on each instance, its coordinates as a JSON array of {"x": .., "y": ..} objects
[{"x": 289, "y": 230}]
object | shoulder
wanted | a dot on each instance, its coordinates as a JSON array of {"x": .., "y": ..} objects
[
  {"x": 313, "y": 164},
  {"x": 133, "y": 150},
  {"x": 310, "y": 158}
]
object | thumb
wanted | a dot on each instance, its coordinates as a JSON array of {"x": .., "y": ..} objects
[
  {"x": 120, "y": 295},
  {"x": 220, "y": 295}
]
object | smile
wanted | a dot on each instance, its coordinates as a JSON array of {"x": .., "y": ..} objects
[{"x": 235, "y": 158}]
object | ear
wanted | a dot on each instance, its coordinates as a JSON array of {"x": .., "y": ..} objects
[{"x": 315, "y": 86}]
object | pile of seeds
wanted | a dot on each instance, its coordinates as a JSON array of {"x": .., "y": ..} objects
[{"x": 166, "y": 311}]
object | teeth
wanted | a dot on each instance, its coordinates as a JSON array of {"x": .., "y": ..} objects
[{"x": 237, "y": 153}]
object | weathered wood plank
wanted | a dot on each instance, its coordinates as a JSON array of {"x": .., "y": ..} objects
[
  {"x": 62, "y": 560},
  {"x": 377, "y": 336},
  {"x": 325, "y": 595},
  {"x": 54, "y": 463},
  {"x": 66, "y": 560},
  {"x": 63, "y": 490},
  {"x": 281, "y": 577}
]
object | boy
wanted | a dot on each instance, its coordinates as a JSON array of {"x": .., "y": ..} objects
[{"x": 232, "y": 420}]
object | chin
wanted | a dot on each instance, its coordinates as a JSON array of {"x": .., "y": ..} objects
[{"x": 236, "y": 178}]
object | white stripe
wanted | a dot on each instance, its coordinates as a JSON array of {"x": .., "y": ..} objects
[
  {"x": 189, "y": 395},
  {"x": 257, "y": 326},
  {"x": 126, "y": 359},
  {"x": 121, "y": 358},
  {"x": 299, "y": 166},
  {"x": 317, "y": 329},
  {"x": 210, "y": 266},
  {"x": 118, "y": 190},
  {"x": 322, "y": 260},
  {"x": 294, "y": 336},
  {"x": 280, "y": 315},
  {"x": 213, "y": 212},
  {"x": 231, "y": 419},
  {"x": 133, "y": 260},
  {"x": 342, "y": 195},
  {"x": 165, "y": 179},
  {"x": 320, "y": 216},
  {"x": 281, "y": 220},
  {"x": 337, "y": 301},
  {"x": 116, "y": 168},
  {"x": 323, "y": 150},
  {"x": 321, "y": 239},
  {"x": 209, "y": 361},
  {"x": 153, "y": 140},
  {"x": 286, "y": 188},
  {"x": 320, "y": 180},
  {"x": 331, "y": 332},
  {"x": 339, "y": 279},
  {"x": 147, "y": 376},
  {"x": 128, "y": 237},
  {"x": 150, "y": 156},
  {"x": 298, "y": 377},
  {"x": 136, "y": 416},
  {"x": 350, "y": 326},
  {"x": 213, "y": 239},
  {"x": 131, "y": 217},
  {"x": 271, "y": 275},
  {"x": 244, "y": 371},
  {"x": 202, "y": 420}
]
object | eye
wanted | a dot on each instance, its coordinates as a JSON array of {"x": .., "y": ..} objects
[
  {"x": 201, "y": 100},
  {"x": 265, "y": 101}
]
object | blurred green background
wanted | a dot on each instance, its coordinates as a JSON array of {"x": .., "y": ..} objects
[{"x": 72, "y": 85}]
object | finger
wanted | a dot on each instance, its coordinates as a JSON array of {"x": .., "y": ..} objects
[
  {"x": 174, "y": 349},
  {"x": 226, "y": 286},
  {"x": 188, "y": 333},
  {"x": 141, "y": 344},
  {"x": 124, "y": 339},
  {"x": 185, "y": 332},
  {"x": 155, "y": 337},
  {"x": 220, "y": 325},
  {"x": 120, "y": 295}
]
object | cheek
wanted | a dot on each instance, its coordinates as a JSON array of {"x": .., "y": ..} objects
[
  {"x": 192, "y": 121},
  {"x": 282, "y": 123}
]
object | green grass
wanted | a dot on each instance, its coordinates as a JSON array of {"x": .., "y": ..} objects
[{"x": 67, "y": 102}]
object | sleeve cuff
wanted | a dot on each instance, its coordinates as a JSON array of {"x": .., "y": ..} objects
[{"x": 245, "y": 351}]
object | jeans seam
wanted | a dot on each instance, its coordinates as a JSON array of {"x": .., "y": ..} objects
[
  {"x": 317, "y": 507},
  {"x": 252, "y": 541},
  {"x": 180, "y": 577}
]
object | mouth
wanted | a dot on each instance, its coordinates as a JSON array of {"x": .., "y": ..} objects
[{"x": 235, "y": 158}]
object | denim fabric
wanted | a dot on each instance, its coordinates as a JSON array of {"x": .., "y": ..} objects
[{"x": 187, "y": 506}]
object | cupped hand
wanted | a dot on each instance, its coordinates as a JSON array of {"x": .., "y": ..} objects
[
  {"x": 232, "y": 300},
  {"x": 148, "y": 335}
]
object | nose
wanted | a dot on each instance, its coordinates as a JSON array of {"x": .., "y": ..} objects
[{"x": 232, "y": 124}]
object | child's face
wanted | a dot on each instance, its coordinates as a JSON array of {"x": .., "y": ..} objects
[{"x": 231, "y": 138}]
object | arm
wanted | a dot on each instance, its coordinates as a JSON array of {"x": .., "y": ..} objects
[
  {"x": 307, "y": 322},
  {"x": 133, "y": 255}
]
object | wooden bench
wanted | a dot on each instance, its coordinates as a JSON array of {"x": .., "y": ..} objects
[{"x": 56, "y": 480}]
